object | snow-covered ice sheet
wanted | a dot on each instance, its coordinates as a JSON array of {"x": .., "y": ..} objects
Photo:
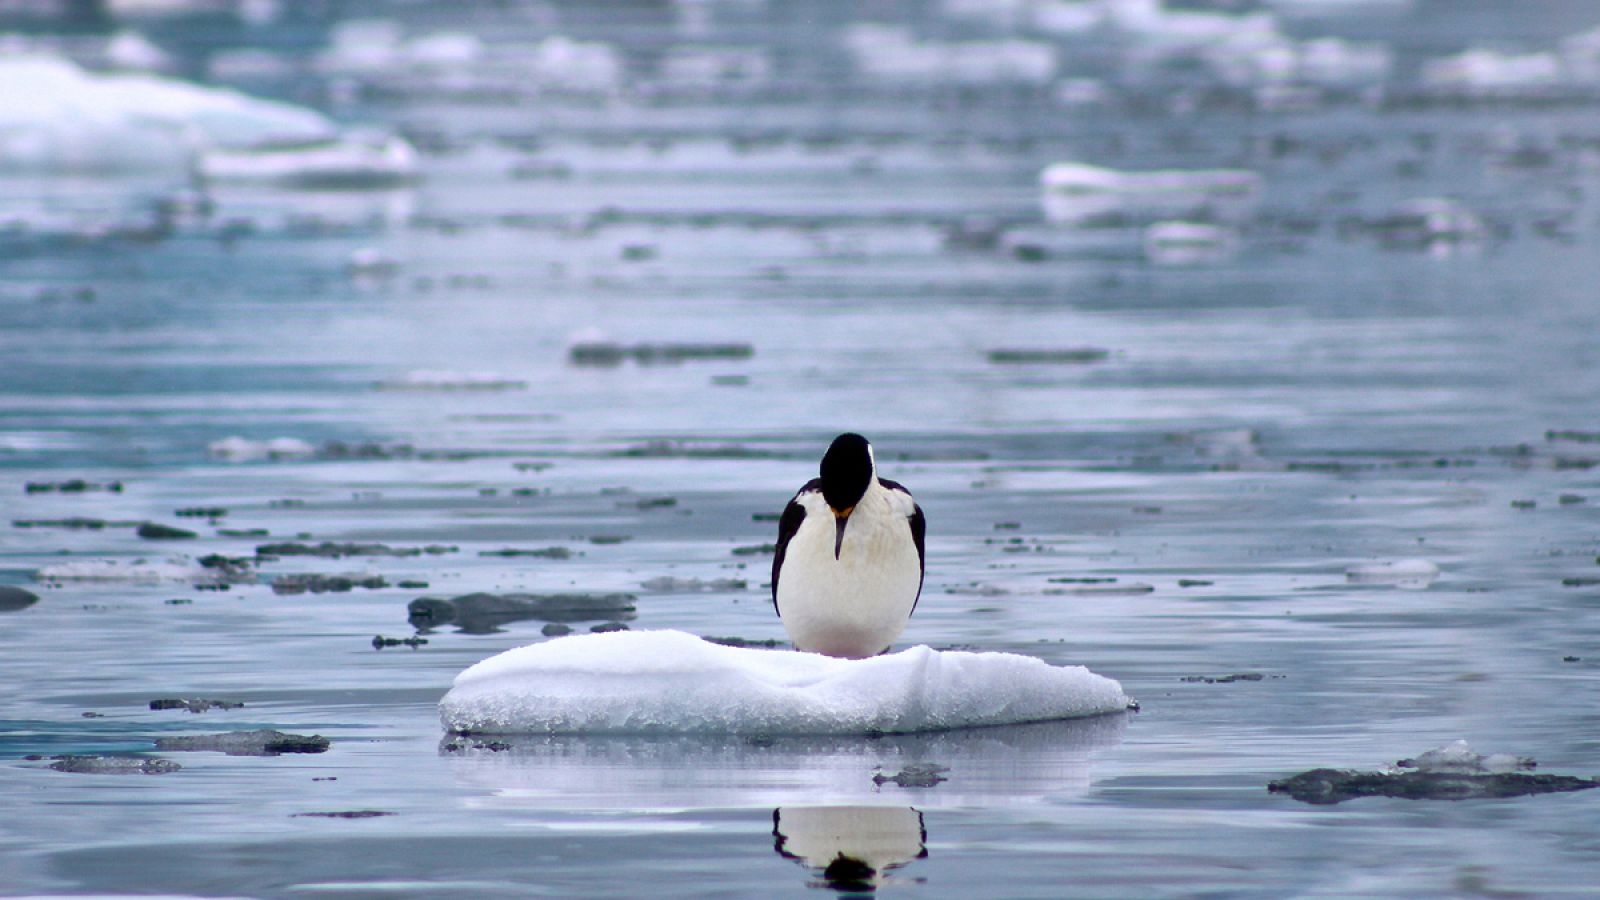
[{"x": 670, "y": 682}]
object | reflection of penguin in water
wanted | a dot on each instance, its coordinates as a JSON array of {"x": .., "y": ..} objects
[{"x": 851, "y": 846}]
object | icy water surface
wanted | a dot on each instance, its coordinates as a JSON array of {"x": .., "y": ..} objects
[{"x": 1182, "y": 505}]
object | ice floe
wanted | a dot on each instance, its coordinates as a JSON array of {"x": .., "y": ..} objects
[
  {"x": 1405, "y": 573},
  {"x": 1188, "y": 243},
  {"x": 655, "y": 682},
  {"x": 355, "y": 160},
  {"x": 377, "y": 45},
  {"x": 1426, "y": 222},
  {"x": 892, "y": 54},
  {"x": 1077, "y": 193},
  {"x": 1484, "y": 71},
  {"x": 1451, "y": 772},
  {"x": 711, "y": 67},
  {"x": 446, "y": 380},
  {"x": 240, "y": 449},
  {"x": 1458, "y": 756},
  {"x": 135, "y": 571},
  {"x": 56, "y": 116}
]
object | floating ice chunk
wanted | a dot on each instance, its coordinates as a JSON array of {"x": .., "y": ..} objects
[
  {"x": 1331, "y": 62},
  {"x": 1077, "y": 193},
  {"x": 1457, "y": 756},
  {"x": 444, "y": 49},
  {"x": 54, "y": 116},
  {"x": 1255, "y": 59},
  {"x": 672, "y": 584},
  {"x": 358, "y": 45},
  {"x": 1187, "y": 243},
  {"x": 717, "y": 67},
  {"x": 136, "y": 9},
  {"x": 370, "y": 262},
  {"x": 1069, "y": 17},
  {"x": 891, "y": 54},
  {"x": 137, "y": 571},
  {"x": 1405, "y": 573},
  {"x": 1482, "y": 71},
  {"x": 261, "y": 742},
  {"x": 132, "y": 50},
  {"x": 351, "y": 161},
  {"x": 239, "y": 449},
  {"x": 672, "y": 682},
  {"x": 1081, "y": 92},
  {"x": 1430, "y": 221},
  {"x": 113, "y": 765},
  {"x": 1171, "y": 32},
  {"x": 562, "y": 62},
  {"x": 443, "y": 380}
]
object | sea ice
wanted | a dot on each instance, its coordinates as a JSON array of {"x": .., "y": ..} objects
[
  {"x": 1078, "y": 194},
  {"x": 239, "y": 449},
  {"x": 1484, "y": 71},
  {"x": 446, "y": 380},
  {"x": 138, "y": 571},
  {"x": 1405, "y": 573},
  {"x": 1187, "y": 243},
  {"x": 891, "y": 54},
  {"x": 55, "y": 116},
  {"x": 1458, "y": 756},
  {"x": 1451, "y": 772},
  {"x": 665, "y": 682},
  {"x": 354, "y": 160}
]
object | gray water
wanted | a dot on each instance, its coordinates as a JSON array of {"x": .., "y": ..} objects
[{"x": 1261, "y": 423}]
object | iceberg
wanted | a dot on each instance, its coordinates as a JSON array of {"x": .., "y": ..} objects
[
  {"x": 1078, "y": 194},
  {"x": 670, "y": 682}
]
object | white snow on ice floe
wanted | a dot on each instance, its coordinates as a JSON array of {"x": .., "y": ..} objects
[{"x": 670, "y": 682}]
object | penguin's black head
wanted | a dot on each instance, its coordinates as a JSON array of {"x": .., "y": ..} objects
[{"x": 846, "y": 472}]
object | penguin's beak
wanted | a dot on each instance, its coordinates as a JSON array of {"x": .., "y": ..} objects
[{"x": 840, "y": 518}]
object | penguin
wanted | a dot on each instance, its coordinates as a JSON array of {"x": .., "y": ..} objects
[{"x": 848, "y": 570}]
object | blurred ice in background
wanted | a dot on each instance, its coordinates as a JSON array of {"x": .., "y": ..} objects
[{"x": 1241, "y": 350}]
